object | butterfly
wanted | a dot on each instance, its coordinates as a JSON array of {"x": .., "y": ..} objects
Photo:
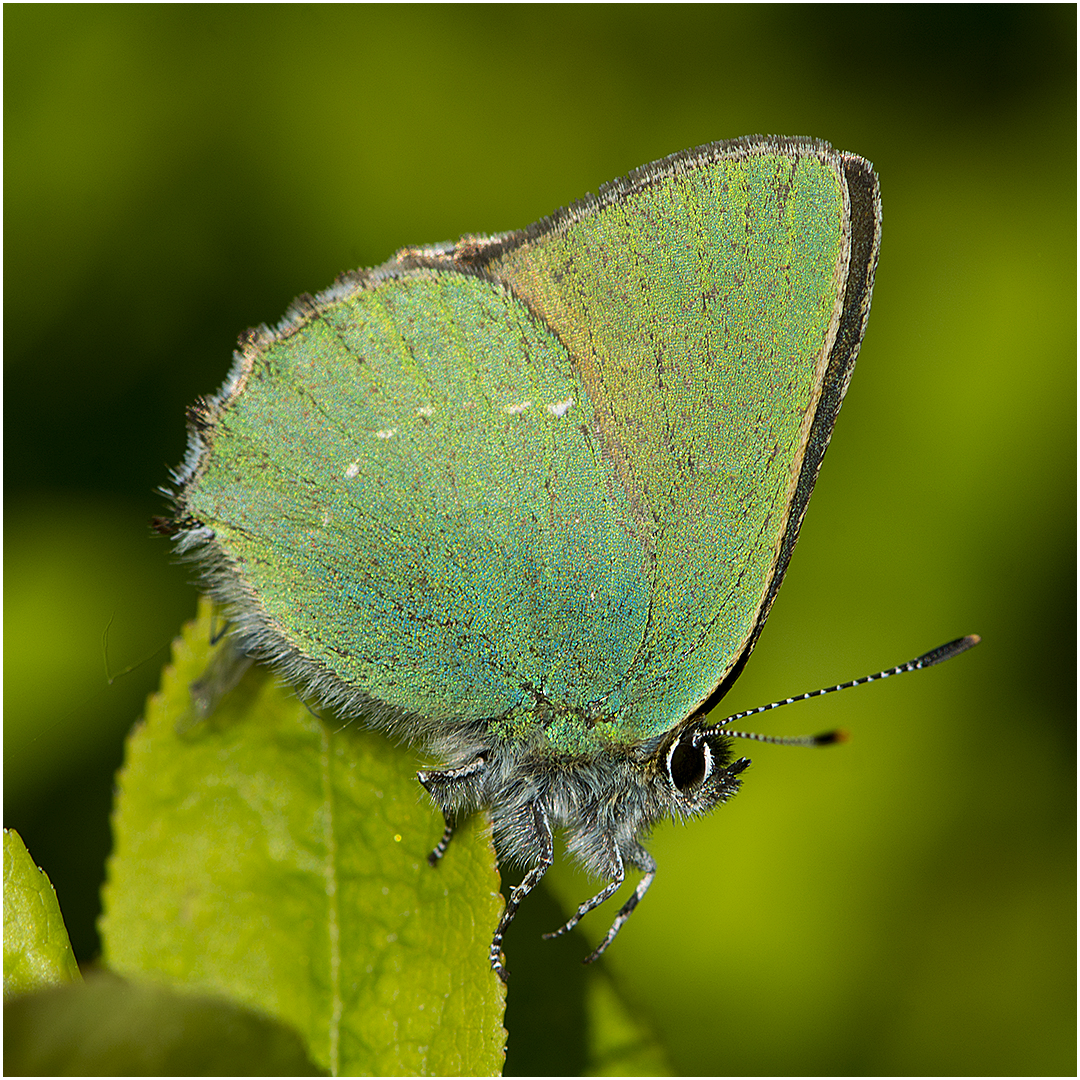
[{"x": 527, "y": 500}]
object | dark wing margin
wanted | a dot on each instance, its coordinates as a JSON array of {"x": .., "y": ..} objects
[{"x": 865, "y": 200}]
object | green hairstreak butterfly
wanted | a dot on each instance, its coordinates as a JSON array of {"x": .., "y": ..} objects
[{"x": 528, "y": 499}]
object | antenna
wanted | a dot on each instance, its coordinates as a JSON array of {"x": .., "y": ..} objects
[{"x": 929, "y": 659}]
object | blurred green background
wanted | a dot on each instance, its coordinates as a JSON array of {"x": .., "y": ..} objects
[{"x": 902, "y": 904}]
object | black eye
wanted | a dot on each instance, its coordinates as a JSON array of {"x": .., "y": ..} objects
[{"x": 689, "y": 762}]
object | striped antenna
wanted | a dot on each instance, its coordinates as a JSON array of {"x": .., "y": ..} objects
[{"x": 934, "y": 656}]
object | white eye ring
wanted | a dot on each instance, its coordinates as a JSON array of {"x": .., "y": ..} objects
[
  {"x": 670, "y": 754},
  {"x": 706, "y": 760}
]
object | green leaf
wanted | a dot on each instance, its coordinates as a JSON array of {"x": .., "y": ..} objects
[
  {"x": 278, "y": 860},
  {"x": 106, "y": 1027},
  {"x": 37, "y": 952}
]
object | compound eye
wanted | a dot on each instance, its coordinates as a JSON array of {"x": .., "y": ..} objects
[{"x": 689, "y": 763}]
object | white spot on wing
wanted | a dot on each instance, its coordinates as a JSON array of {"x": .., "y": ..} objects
[
  {"x": 561, "y": 408},
  {"x": 353, "y": 469},
  {"x": 386, "y": 433},
  {"x": 514, "y": 410},
  {"x": 425, "y": 410}
]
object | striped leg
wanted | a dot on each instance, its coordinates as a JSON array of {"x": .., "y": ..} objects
[
  {"x": 644, "y": 861},
  {"x": 605, "y": 893},
  {"x": 528, "y": 883},
  {"x": 448, "y": 787},
  {"x": 440, "y": 848}
]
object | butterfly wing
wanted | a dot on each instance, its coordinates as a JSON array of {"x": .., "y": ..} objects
[
  {"x": 561, "y": 469},
  {"x": 713, "y": 305},
  {"x": 402, "y": 504}
]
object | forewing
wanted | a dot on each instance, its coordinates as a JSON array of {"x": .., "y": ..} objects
[{"x": 700, "y": 300}]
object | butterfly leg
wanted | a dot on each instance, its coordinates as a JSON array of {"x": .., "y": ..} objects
[
  {"x": 440, "y": 848},
  {"x": 529, "y": 882},
  {"x": 605, "y": 893},
  {"x": 643, "y": 861},
  {"x": 451, "y": 788},
  {"x": 226, "y": 668}
]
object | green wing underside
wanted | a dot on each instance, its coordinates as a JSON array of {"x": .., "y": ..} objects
[{"x": 549, "y": 478}]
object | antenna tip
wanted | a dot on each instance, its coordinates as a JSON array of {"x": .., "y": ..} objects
[
  {"x": 947, "y": 652},
  {"x": 827, "y": 738}
]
